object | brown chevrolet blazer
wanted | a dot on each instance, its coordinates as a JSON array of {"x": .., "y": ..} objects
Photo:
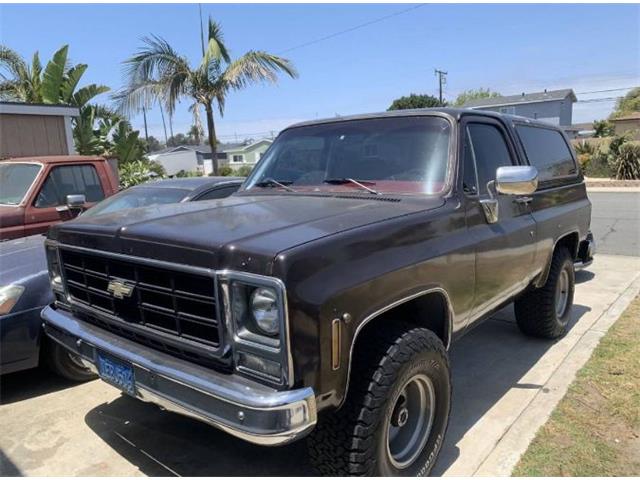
[{"x": 321, "y": 299}]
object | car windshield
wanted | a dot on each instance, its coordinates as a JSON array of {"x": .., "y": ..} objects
[
  {"x": 137, "y": 197},
  {"x": 383, "y": 155},
  {"x": 15, "y": 180}
]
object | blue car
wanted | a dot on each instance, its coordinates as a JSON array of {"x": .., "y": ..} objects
[{"x": 24, "y": 281}]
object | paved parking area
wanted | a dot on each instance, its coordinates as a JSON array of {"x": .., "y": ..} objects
[{"x": 501, "y": 379}]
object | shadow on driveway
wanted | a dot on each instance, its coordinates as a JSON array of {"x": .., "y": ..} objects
[
  {"x": 487, "y": 363},
  {"x": 18, "y": 386}
]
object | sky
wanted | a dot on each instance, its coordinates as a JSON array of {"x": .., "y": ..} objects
[{"x": 508, "y": 48}]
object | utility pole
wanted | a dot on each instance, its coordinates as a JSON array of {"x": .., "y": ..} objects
[
  {"x": 442, "y": 80},
  {"x": 201, "y": 29}
]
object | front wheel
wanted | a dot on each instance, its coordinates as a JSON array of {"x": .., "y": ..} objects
[
  {"x": 66, "y": 364},
  {"x": 397, "y": 410}
]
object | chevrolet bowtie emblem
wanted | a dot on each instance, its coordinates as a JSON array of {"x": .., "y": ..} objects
[{"x": 119, "y": 288}]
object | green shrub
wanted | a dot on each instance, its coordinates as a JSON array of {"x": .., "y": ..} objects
[
  {"x": 223, "y": 171},
  {"x": 185, "y": 174},
  {"x": 244, "y": 171},
  {"x": 626, "y": 164},
  {"x": 133, "y": 173}
]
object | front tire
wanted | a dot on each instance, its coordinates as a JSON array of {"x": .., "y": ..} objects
[
  {"x": 67, "y": 365},
  {"x": 396, "y": 413},
  {"x": 545, "y": 312}
]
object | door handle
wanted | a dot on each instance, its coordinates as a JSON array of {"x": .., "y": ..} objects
[{"x": 524, "y": 200}]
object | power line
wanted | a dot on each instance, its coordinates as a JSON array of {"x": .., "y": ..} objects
[
  {"x": 603, "y": 91},
  {"x": 351, "y": 29}
]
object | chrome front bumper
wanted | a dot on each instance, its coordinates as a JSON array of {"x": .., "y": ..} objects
[{"x": 239, "y": 406}]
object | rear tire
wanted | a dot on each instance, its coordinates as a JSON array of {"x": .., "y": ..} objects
[
  {"x": 67, "y": 365},
  {"x": 396, "y": 413},
  {"x": 545, "y": 312}
]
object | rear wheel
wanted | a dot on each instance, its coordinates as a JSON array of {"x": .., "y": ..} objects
[
  {"x": 66, "y": 364},
  {"x": 545, "y": 312},
  {"x": 396, "y": 413}
]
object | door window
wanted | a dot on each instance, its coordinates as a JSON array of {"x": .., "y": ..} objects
[
  {"x": 469, "y": 177},
  {"x": 489, "y": 150},
  {"x": 69, "y": 180}
]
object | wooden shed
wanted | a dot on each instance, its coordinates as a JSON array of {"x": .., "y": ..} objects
[{"x": 28, "y": 130}]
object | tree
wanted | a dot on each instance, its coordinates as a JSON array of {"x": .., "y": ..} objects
[
  {"x": 153, "y": 144},
  {"x": 57, "y": 83},
  {"x": 628, "y": 104},
  {"x": 195, "y": 134},
  {"x": 602, "y": 128},
  {"x": 474, "y": 94},
  {"x": 178, "y": 139},
  {"x": 158, "y": 71},
  {"x": 415, "y": 101}
]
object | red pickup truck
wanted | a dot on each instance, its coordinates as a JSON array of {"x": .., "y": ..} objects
[{"x": 35, "y": 191}]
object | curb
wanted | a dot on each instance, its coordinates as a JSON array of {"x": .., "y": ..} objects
[
  {"x": 515, "y": 441},
  {"x": 613, "y": 189}
]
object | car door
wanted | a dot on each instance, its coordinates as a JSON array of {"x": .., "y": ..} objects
[
  {"x": 505, "y": 250},
  {"x": 60, "y": 181}
]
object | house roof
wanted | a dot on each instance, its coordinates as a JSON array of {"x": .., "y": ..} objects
[
  {"x": 20, "y": 108},
  {"x": 222, "y": 148},
  {"x": 536, "y": 97},
  {"x": 631, "y": 116}
]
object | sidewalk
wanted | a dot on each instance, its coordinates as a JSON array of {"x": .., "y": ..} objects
[{"x": 505, "y": 387}]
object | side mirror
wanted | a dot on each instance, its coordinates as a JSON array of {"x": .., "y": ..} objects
[
  {"x": 76, "y": 201},
  {"x": 517, "y": 180}
]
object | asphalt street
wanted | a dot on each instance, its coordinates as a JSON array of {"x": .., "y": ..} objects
[{"x": 615, "y": 222}]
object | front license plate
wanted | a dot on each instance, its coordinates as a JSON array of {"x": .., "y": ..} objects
[{"x": 117, "y": 373}]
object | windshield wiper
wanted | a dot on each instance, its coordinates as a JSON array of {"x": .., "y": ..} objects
[
  {"x": 270, "y": 182},
  {"x": 342, "y": 181}
]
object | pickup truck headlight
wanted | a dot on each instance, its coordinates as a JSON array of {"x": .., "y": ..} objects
[
  {"x": 264, "y": 307},
  {"x": 255, "y": 308},
  {"x": 53, "y": 263},
  {"x": 9, "y": 296}
]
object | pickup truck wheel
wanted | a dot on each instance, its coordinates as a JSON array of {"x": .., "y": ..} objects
[
  {"x": 66, "y": 364},
  {"x": 396, "y": 412},
  {"x": 545, "y": 312}
]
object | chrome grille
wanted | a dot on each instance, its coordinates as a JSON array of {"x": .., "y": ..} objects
[{"x": 167, "y": 307}]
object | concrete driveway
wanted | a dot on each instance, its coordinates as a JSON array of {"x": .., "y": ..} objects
[{"x": 501, "y": 380}]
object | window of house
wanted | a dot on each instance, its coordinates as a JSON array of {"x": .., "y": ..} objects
[
  {"x": 547, "y": 150},
  {"x": 508, "y": 110},
  {"x": 489, "y": 150},
  {"x": 69, "y": 180},
  {"x": 238, "y": 158}
]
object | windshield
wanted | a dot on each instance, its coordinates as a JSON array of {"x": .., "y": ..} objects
[
  {"x": 15, "y": 180},
  {"x": 137, "y": 197},
  {"x": 383, "y": 155}
]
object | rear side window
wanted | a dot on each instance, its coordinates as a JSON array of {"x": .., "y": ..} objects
[
  {"x": 547, "y": 150},
  {"x": 221, "y": 192},
  {"x": 70, "y": 180}
]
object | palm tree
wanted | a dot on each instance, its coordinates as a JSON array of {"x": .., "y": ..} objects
[
  {"x": 55, "y": 84},
  {"x": 158, "y": 72}
]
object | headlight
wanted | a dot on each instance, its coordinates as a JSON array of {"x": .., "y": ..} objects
[
  {"x": 255, "y": 306},
  {"x": 54, "y": 269},
  {"x": 264, "y": 307},
  {"x": 9, "y": 296}
]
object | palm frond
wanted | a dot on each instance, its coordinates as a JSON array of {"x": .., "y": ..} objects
[
  {"x": 133, "y": 98},
  {"x": 216, "y": 50},
  {"x": 85, "y": 94},
  {"x": 153, "y": 61},
  {"x": 255, "y": 67},
  {"x": 12, "y": 63},
  {"x": 54, "y": 76},
  {"x": 71, "y": 82}
]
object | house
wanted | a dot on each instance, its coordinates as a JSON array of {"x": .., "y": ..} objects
[
  {"x": 246, "y": 154},
  {"x": 28, "y": 130},
  {"x": 197, "y": 158},
  {"x": 553, "y": 106},
  {"x": 628, "y": 125}
]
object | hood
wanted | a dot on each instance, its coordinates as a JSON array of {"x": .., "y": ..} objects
[
  {"x": 22, "y": 259},
  {"x": 11, "y": 216},
  {"x": 237, "y": 232}
]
